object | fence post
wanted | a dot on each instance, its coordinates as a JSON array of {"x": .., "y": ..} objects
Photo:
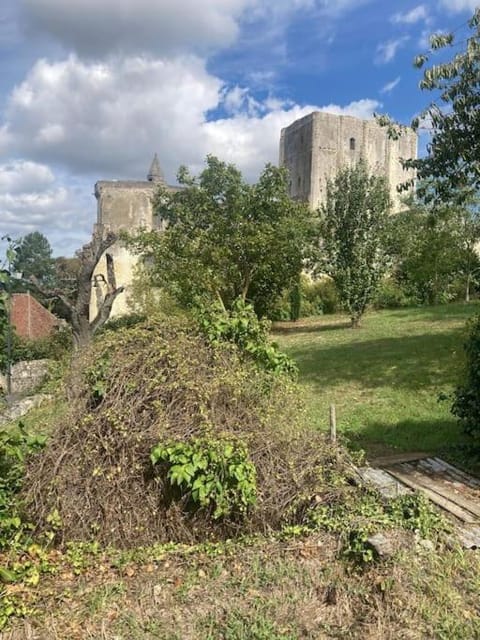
[{"x": 333, "y": 424}]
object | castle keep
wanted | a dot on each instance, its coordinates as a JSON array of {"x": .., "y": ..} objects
[
  {"x": 124, "y": 205},
  {"x": 315, "y": 147}
]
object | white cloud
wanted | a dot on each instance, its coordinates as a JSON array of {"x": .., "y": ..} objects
[
  {"x": 23, "y": 176},
  {"x": 96, "y": 117},
  {"x": 390, "y": 86},
  {"x": 106, "y": 120},
  {"x": 411, "y": 17},
  {"x": 387, "y": 51},
  {"x": 32, "y": 198},
  {"x": 94, "y": 28},
  {"x": 456, "y": 6}
]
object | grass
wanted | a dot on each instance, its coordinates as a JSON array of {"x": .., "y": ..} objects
[
  {"x": 295, "y": 590},
  {"x": 385, "y": 378}
]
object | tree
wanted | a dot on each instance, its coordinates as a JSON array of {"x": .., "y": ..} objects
[
  {"x": 433, "y": 251},
  {"x": 33, "y": 258},
  {"x": 353, "y": 221},
  {"x": 452, "y": 164},
  {"x": 224, "y": 239},
  {"x": 75, "y": 307}
]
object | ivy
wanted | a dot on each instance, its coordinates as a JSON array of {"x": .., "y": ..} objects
[{"x": 214, "y": 474}]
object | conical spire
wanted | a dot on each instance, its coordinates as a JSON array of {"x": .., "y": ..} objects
[{"x": 155, "y": 174}]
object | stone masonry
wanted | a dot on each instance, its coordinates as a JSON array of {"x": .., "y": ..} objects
[
  {"x": 124, "y": 205},
  {"x": 316, "y": 146}
]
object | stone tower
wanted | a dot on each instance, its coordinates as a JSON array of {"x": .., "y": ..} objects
[
  {"x": 124, "y": 205},
  {"x": 315, "y": 147}
]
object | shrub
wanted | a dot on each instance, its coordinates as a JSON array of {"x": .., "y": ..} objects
[
  {"x": 391, "y": 295},
  {"x": 54, "y": 347},
  {"x": 466, "y": 405},
  {"x": 317, "y": 297},
  {"x": 170, "y": 390},
  {"x": 241, "y": 327},
  {"x": 322, "y": 295},
  {"x": 213, "y": 472},
  {"x": 15, "y": 446}
]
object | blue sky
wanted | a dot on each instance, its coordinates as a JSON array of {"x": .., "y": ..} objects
[{"x": 90, "y": 89}]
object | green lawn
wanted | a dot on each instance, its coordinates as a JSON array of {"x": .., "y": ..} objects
[{"x": 386, "y": 377}]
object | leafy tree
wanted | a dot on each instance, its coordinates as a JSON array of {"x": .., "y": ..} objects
[
  {"x": 353, "y": 221},
  {"x": 224, "y": 239},
  {"x": 452, "y": 165},
  {"x": 433, "y": 251},
  {"x": 33, "y": 258}
]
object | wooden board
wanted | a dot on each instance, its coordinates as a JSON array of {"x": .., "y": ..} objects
[
  {"x": 453, "y": 491},
  {"x": 443, "y": 502},
  {"x": 383, "y": 482},
  {"x": 397, "y": 458}
]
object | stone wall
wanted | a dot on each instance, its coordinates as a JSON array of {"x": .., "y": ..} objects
[
  {"x": 26, "y": 376},
  {"x": 315, "y": 147}
]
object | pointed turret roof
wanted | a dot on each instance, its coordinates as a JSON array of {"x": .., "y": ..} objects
[{"x": 155, "y": 174}]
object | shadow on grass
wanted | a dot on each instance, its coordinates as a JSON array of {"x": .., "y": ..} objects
[
  {"x": 436, "y": 437},
  {"x": 313, "y": 327},
  {"x": 410, "y": 362}
]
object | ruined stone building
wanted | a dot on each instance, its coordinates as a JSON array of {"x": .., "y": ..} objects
[
  {"x": 315, "y": 147},
  {"x": 124, "y": 205}
]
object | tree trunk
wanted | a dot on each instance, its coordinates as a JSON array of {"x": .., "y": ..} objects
[
  {"x": 355, "y": 322},
  {"x": 467, "y": 288}
]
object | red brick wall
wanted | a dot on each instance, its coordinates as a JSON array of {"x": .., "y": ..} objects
[{"x": 30, "y": 318}]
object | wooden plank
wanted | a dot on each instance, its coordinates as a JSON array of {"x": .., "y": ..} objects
[
  {"x": 435, "y": 485},
  {"x": 446, "y": 504},
  {"x": 466, "y": 477},
  {"x": 396, "y": 458},
  {"x": 383, "y": 482},
  {"x": 469, "y": 537},
  {"x": 443, "y": 475}
]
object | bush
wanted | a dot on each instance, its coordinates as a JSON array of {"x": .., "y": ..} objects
[
  {"x": 391, "y": 295},
  {"x": 162, "y": 387},
  {"x": 54, "y": 347},
  {"x": 466, "y": 405},
  {"x": 15, "y": 446},
  {"x": 322, "y": 295},
  {"x": 241, "y": 327},
  {"x": 317, "y": 297}
]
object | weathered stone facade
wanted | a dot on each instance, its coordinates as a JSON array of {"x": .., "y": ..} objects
[
  {"x": 315, "y": 147},
  {"x": 124, "y": 205},
  {"x": 26, "y": 376}
]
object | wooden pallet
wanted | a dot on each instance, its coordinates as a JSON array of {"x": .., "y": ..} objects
[{"x": 453, "y": 490}]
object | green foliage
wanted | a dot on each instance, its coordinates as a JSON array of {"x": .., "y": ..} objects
[
  {"x": 391, "y": 295},
  {"x": 414, "y": 512},
  {"x": 55, "y": 347},
  {"x": 34, "y": 258},
  {"x": 353, "y": 221},
  {"x": 242, "y": 327},
  {"x": 96, "y": 377},
  {"x": 466, "y": 405},
  {"x": 295, "y": 301},
  {"x": 213, "y": 473},
  {"x": 3, "y": 330},
  {"x": 123, "y": 322},
  {"x": 358, "y": 516},
  {"x": 15, "y": 445},
  {"x": 433, "y": 252},
  {"x": 452, "y": 162},
  {"x": 317, "y": 297},
  {"x": 226, "y": 239}
]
